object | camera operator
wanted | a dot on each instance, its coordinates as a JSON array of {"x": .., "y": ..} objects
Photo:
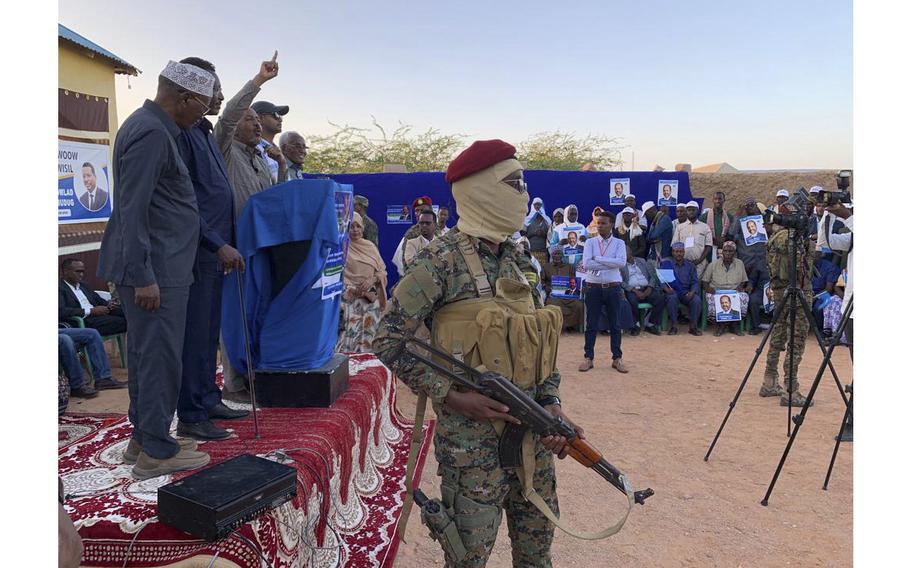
[{"x": 827, "y": 237}]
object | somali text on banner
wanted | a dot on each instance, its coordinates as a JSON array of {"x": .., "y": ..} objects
[{"x": 83, "y": 182}]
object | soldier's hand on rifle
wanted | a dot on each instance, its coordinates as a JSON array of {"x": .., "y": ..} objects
[
  {"x": 477, "y": 406},
  {"x": 558, "y": 444}
]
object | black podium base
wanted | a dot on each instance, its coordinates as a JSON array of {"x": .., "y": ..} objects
[{"x": 297, "y": 389}]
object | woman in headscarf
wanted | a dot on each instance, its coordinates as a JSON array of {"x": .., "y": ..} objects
[
  {"x": 558, "y": 219},
  {"x": 364, "y": 296},
  {"x": 537, "y": 230},
  {"x": 592, "y": 226}
]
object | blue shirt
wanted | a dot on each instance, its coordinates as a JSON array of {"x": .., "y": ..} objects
[
  {"x": 686, "y": 276},
  {"x": 273, "y": 164},
  {"x": 203, "y": 159},
  {"x": 828, "y": 272},
  {"x": 602, "y": 259}
]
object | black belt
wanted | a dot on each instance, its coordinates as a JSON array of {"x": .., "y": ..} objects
[{"x": 598, "y": 285}]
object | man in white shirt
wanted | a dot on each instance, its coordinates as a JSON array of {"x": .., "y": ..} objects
[
  {"x": 603, "y": 257},
  {"x": 427, "y": 224},
  {"x": 696, "y": 235},
  {"x": 630, "y": 202}
]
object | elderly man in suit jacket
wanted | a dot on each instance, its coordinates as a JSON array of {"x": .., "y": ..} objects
[
  {"x": 149, "y": 250},
  {"x": 76, "y": 300}
]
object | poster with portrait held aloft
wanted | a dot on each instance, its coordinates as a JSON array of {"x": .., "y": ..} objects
[
  {"x": 753, "y": 229},
  {"x": 620, "y": 188},
  {"x": 83, "y": 182},
  {"x": 667, "y": 192}
]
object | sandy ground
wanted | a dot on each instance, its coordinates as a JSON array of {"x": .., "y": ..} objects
[{"x": 655, "y": 424}]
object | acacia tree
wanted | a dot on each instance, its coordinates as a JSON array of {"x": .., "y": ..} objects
[
  {"x": 565, "y": 151},
  {"x": 351, "y": 149},
  {"x": 362, "y": 150}
]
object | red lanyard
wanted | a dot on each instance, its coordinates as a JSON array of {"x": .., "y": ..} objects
[{"x": 603, "y": 245}]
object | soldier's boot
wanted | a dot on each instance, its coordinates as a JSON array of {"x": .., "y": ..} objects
[
  {"x": 798, "y": 400},
  {"x": 770, "y": 386}
]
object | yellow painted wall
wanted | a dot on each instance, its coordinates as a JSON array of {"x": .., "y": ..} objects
[{"x": 94, "y": 76}]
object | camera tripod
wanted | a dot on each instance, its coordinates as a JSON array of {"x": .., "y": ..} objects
[
  {"x": 798, "y": 420},
  {"x": 794, "y": 299}
]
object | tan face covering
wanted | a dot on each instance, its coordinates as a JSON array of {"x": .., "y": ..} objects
[{"x": 489, "y": 208}]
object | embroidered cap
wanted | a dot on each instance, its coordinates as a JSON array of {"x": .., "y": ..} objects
[{"x": 190, "y": 77}]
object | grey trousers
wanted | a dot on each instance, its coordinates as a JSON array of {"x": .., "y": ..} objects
[
  {"x": 234, "y": 380},
  {"x": 154, "y": 365}
]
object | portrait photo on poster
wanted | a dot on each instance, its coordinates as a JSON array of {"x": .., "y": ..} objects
[
  {"x": 619, "y": 189},
  {"x": 667, "y": 192},
  {"x": 767, "y": 298},
  {"x": 753, "y": 229},
  {"x": 726, "y": 305},
  {"x": 83, "y": 189},
  {"x": 566, "y": 287},
  {"x": 398, "y": 215}
]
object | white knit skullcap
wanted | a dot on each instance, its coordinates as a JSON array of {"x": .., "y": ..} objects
[{"x": 190, "y": 77}]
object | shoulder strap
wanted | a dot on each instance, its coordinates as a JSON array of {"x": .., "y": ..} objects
[
  {"x": 416, "y": 442},
  {"x": 472, "y": 259}
]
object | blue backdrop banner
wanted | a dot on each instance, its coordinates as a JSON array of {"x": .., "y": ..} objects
[{"x": 557, "y": 189}]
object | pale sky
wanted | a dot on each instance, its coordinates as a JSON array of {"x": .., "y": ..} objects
[{"x": 759, "y": 85}]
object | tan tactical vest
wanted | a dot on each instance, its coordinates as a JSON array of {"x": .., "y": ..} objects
[{"x": 502, "y": 332}]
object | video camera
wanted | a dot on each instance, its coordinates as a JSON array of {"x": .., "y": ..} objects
[
  {"x": 796, "y": 217},
  {"x": 842, "y": 195}
]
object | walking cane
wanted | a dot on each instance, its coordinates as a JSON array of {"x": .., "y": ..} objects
[{"x": 249, "y": 358}]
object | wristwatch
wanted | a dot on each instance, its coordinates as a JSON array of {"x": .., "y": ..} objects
[{"x": 548, "y": 400}]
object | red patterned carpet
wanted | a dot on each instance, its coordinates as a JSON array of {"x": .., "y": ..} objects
[{"x": 350, "y": 460}]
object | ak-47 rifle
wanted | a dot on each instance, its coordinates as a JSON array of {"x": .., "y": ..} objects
[{"x": 532, "y": 416}]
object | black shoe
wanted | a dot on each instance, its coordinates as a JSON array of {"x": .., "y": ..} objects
[
  {"x": 673, "y": 331},
  {"x": 755, "y": 331},
  {"x": 202, "y": 431},
  {"x": 110, "y": 383},
  {"x": 223, "y": 412},
  {"x": 653, "y": 330},
  {"x": 635, "y": 331},
  {"x": 83, "y": 392}
]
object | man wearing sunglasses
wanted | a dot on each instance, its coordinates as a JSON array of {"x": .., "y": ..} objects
[{"x": 270, "y": 118}]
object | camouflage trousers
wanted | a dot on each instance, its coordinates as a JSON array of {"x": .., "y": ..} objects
[
  {"x": 777, "y": 343},
  {"x": 476, "y": 497}
]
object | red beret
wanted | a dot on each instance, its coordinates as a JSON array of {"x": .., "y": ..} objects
[
  {"x": 421, "y": 201},
  {"x": 478, "y": 156}
]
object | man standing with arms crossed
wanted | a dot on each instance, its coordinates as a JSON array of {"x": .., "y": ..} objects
[
  {"x": 148, "y": 251},
  {"x": 603, "y": 257}
]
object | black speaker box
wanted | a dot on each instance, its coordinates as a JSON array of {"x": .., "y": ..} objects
[{"x": 296, "y": 389}]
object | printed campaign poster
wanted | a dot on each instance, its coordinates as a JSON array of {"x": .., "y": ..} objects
[
  {"x": 619, "y": 189},
  {"x": 668, "y": 192},
  {"x": 567, "y": 287},
  {"x": 574, "y": 249},
  {"x": 398, "y": 215},
  {"x": 726, "y": 305},
  {"x": 332, "y": 284},
  {"x": 83, "y": 182},
  {"x": 753, "y": 229},
  {"x": 767, "y": 298}
]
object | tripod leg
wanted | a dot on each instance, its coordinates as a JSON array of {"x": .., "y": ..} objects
[
  {"x": 798, "y": 420},
  {"x": 847, "y": 412},
  {"x": 821, "y": 344},
  {"x": 792, "y": 385},
  {"x": 761, "y": 346}
]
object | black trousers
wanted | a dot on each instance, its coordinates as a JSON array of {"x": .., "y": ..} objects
[
  {"x": 657, "y": 300},
  {"x": 198, "y": 391},
  {"x": 154, "y": 366},
  {"x": 111, "y": 324}
]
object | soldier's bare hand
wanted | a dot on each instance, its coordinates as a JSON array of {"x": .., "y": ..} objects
[
  {"x": 479, "y": 407},
  {"x": 558, "y": 444}
]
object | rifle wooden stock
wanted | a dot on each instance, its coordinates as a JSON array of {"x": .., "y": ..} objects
[{"x": 584, "y": 453}]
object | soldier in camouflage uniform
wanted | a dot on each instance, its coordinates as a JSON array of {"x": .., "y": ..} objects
[
  {"x": 778, "y": 267},
  {"x": 475, "y": 489},
  {"x": 370, "y": 229}
]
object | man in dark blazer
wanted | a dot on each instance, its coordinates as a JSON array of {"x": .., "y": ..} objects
[
  {"x": 94, "y": 198},
  {"x": 148, "y": 251},
  {"x": 74, "y": 299}
]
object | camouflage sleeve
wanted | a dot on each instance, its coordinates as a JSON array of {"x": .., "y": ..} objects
[
  {"x": 414, "y": 299},
  {"x": 550, "y": 387},
  {"x": 772, "y": 258},
  {"x": 524, "y": 264}
]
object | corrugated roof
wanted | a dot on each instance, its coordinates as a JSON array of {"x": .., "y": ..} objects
[{"x": 120, "y": 66}]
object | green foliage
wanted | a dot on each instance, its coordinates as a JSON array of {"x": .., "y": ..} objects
[
  {"x": 363, "y": 150},
  {"x": 366, "y": 150},
  {"x": 565, "y": 151}
]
